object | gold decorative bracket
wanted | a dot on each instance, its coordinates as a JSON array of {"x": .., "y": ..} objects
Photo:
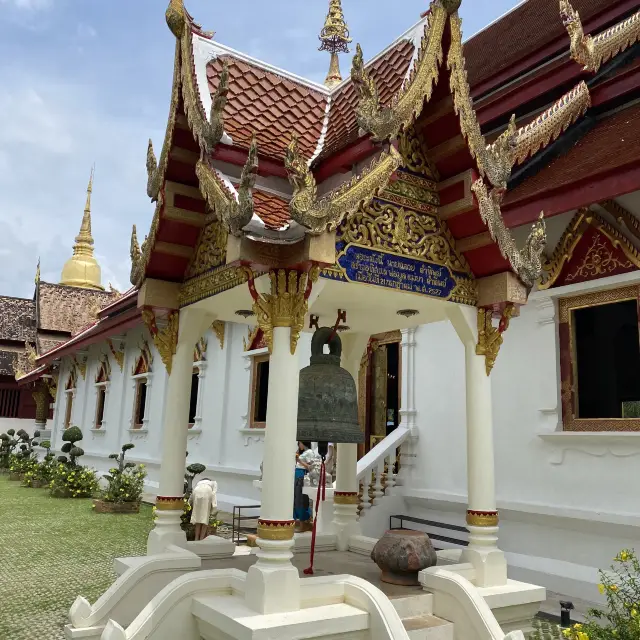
[
  {"x": 118, "y": 354},
  {"x": 218, "y": 327},
  {"x": 165, "y": 339},
  {"x": 489, "y": 337},
  {"x": 81, "y": 363},
  {"x": 286, "y": 305},
  {"x": 593, "y": 51}
]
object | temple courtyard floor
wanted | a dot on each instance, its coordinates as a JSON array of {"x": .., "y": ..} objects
[{"x": 52, "y": 550}]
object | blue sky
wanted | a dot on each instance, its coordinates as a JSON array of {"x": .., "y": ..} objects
[{"x": 87, "y": 81}]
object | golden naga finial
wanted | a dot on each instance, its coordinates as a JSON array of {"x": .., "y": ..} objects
[
  {"x": 451, "y": 6},
  {"x": 153, "y": 182},
  {"x": 327, "y": 213},
  {"x": 236, "y": 213},
  {"x": 136, "y": 256},
  {"x": 499, "y": 157},
  {"x": 213, "y": 130},
  {"x": 592, "y": 52},
  {"x": 335, "y": 39},
  {"x": 176, "y": 17}
]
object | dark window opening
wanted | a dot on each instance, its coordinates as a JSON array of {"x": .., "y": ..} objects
[
  {"x": 607, "y": 352},
  {"x": 9, "y": 403},
  {"x": 141, "y": 400},
  {"x": 193, "y": 399},
  {"x": 67, "y": 415},
  {"x": 102, "y": 393},
  {"x": 261, "y": 390},
  {"x": 393, "y": 386}
]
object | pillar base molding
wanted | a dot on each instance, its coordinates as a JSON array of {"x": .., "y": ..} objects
[
  {"x": 273, "y": 583},
  {"x": 482, "y": 518},
  {"x": 166, "y": 532},
  {"x": 345, "y": 521},
  {"x": 488, "y": 561}
]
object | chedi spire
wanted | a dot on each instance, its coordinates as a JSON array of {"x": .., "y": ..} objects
[{"x": 335, "y": 39}]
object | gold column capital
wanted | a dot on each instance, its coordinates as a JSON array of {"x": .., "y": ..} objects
[
  {"x": 165, "y": 339},
  {"x": 489, "y": 337},
  {"x": 286, "y": 305}
]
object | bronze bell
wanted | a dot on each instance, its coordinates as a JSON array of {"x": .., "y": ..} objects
[{"x": 327, "y": 397}]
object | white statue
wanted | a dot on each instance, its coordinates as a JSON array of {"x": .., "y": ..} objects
[{"x": 312, "y": 479}]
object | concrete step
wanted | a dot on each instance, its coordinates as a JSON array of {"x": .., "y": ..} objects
[
  {"x": 428, "y": 628},
  {"x": 411, "y": 606}
]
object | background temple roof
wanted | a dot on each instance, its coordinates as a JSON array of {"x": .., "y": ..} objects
[{"x": 17, "y": 319}]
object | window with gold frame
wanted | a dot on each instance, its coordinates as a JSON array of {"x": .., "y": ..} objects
[{"x": 573, "y": 344}]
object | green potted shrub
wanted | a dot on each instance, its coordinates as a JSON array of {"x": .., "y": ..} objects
[
  {"x": 68, "y": 478},
  {"x": 125, "y": 484},
  {"x": 8, "y": 444},
  {"x": 42, "y": 473},
  {"x": 25, "y": 459}
]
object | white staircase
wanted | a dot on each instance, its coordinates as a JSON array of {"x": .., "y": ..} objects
[{"x": 416, "y": 613}]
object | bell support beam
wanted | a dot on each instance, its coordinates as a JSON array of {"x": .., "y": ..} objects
[
  {"x": 482, "y": 515},
  {"x": 273, "y": 583},
  {"x": 345, "y": 498},
  {"x": 192, "y": 323}
]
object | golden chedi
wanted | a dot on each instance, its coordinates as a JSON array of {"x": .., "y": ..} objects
[{"x": 82, "y": 269}]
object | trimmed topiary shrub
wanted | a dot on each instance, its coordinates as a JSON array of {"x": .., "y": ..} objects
[{"x": 125, "y": 483}]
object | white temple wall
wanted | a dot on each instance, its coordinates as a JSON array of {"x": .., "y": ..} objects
[{"x": 28, "y": 424}]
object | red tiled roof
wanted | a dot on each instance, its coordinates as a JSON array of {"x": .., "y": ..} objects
[
  {"x": 528, "y": 28},
  {"x": 388, "y": 71},
  {"x": 612, "y": 143},
  {"x": 271, "y": 209},
  {"x": 271, "y": 106}
]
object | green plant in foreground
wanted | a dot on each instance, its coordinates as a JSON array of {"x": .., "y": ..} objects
[
  {"x": 193, "y": 470},
  {"x": 70, "y": 437},
  {"x": 125, "y": 483},
  {"x": 73, "y": 481}
]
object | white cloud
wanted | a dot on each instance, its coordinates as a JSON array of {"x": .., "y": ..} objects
[{"x": 29, "y": 5}]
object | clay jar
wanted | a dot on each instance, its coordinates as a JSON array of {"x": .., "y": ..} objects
[{"x": 401, "y": 554}]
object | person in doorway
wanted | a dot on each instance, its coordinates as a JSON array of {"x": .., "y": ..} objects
[
  {"x": 301, "y": 506},
  {"x": 203, "y": 499}
]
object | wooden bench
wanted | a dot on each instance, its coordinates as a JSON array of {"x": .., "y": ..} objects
[{"x": 431, "y": 524}]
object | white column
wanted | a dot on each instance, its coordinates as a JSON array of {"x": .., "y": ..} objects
[
  {"x": 169, "y": 503},
  {"x": 345, "y": 498},
  {"x": 408, "y": 413},
  {"x": 273, "y": 584},
  {"x": 482, "y": 516}
]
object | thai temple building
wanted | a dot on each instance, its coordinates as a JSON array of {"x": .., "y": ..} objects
[{"x": 467, "y": 219}]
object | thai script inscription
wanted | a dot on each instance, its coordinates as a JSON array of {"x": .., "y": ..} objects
[{"x": 369, "y": 266}]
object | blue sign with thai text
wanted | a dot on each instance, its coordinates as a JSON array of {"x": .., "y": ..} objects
[{"x": 370, "y": 266}]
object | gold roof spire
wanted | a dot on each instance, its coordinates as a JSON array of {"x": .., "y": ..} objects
[
  {"x": 82, "y": 269},
  {"x": 335, "y": 39}
]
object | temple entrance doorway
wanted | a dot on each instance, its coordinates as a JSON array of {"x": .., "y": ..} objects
[{"x": 380, "y": 380}]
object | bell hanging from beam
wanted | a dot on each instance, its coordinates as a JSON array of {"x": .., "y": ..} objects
[{"x": 327, "y": 396}]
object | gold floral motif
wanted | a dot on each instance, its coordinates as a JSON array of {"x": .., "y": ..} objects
[
  {"x": 345, "y": 497},
  {"x": 211, "y": 250},
  {"x": 210, "y": 284},
  {"x": 327, "y": 213},
  {"x": 599, "y": 261},
  {"x": 168, "y": 503},
  {"x": 165, "y": 339},
  {"x": 200, "y": 350},
  {"x": 275, "y": 530},
  {"x": 411, "y": 148},
  {"x": 402, "y": 231},
  {"x": 234, "y": 210},
  {"x": 413, "y": 191},
  {"x": 489, "y": 337},
  {"x": 384, "y": 123},
  {"x": 590, "y": 51},
  {"x": 218, "y": 328},
  {"x": 482, "y": 518},
  {"x": 118, "y": 354},
  {"x": 552, "y": 268},
  {"x": 526, "y": 262},
  {"x": 623, "y": 217},
  {"x": 286, "y": 305},
  {"x": 465, "y": 291},
  {"x": 31, "y": 354}
]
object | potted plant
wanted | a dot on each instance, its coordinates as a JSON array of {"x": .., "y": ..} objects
[
  {"x": 125, "y": 484},
  {"x": 69, "y": 479},
  {"x": 8, "y": 444},
  {"x": 42, "y": 473},
  {"x": 24, "y": 460}
]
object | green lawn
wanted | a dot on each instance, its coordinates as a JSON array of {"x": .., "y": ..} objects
[{"x": 53, "y": 550}]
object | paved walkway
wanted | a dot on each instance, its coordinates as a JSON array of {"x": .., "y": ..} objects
[{"x": 53, "y": 550}]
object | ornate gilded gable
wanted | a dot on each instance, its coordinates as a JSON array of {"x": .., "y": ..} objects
[{"x": 589, "y": 249}]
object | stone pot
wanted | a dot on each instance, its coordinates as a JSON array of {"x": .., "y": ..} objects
[
  {"x": 102, "y": 506},
  {"x": 401, "y": 554}
]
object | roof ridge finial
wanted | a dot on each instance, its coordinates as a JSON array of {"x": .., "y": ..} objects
[
  {"x": 84, "y": 239},
  {"x": 335, "y": 39}
]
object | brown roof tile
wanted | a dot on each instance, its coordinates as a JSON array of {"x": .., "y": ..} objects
[
  {"x": 612, "y": 143},
  {"x": 388, "y": 71},
  {"x": 7, "y": 359},
  {"x": 253, "y": 93},
  {"x": 272, "y": 210},
  {"x": 528, "y": 28},
  {"x": 69, "y": 309},
  {"x": 17, "y": 319}
]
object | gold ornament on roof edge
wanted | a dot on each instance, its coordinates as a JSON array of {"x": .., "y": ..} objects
[
  {"x": 165, "y": 339},
  {"x": 327, "y": 213},
  {"x": 176, "y": 17},
  {"x": 213, "y": 129},
  {"x": 593, "y": 51},
  {"x": 526, "y": 262},
  {"x": 235, "y": 212},
  {"x": 82, "y": 269},
  {"x": 384, "y": 123},
  {"x": 335, "y": 39},
  {"x": 211, "y": 249},
  {"x": 153, "y": 174},
  {"x": 218, "y": 327},
  {"x": 118, "y": 354}
]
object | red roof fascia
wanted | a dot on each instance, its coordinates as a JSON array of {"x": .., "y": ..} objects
[
  {"x": 608, "y": 185},
  {"x": 32, "y": 376},
  {"x": 100, "y": 331},
  {"x": 266, "y": 166},
  {"x": 627, "y": 80},
  {"x": 592, "y": 26},
  {"x": 343, "y": 160}
]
